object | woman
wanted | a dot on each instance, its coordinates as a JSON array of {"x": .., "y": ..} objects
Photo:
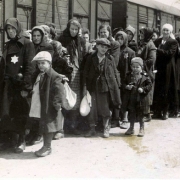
[
  {"x": 15, "y": 78},
  {"x": 147, "y": 51},
  {"x": 39, "y": 41},
  {"x": 76, "y": 47},
  {"x": 155, "y": 34},
  {"x": 125, "y": 56},
  {"x": 165, "y": 93},
  {"x": 130, "y": 31}
]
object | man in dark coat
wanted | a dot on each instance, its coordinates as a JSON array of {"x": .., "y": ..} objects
[{"x": 15, "y": 83}]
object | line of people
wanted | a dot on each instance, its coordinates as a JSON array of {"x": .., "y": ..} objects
[{"x": 127, "y": 81}]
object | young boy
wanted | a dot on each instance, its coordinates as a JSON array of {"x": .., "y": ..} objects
[
  {"x": 137, "y": 85},
  {"x": 102, "y": 81},
  {"x": 47, "y": 97}
]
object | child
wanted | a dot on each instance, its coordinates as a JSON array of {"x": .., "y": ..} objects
[
  {"x": 137, "y": 85},
  {"x": 102, "y": 81},
  {"x": 48, "y": 94}
]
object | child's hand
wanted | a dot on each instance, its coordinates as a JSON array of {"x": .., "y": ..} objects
[
  {"x": 27, "y": 131},
  {"x": 140, "y": 90},
  {"x": 129, "y": 87}
]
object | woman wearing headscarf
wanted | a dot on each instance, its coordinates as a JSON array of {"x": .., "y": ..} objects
[
  {"x": 165, "y": 92},
  {"x": 125, "y": 56},
  {"x": 75, "y": 45},
  {"x": 15, "y": 83},
  {"x": 147, "y": 51},
  {"x": 130, "y": 31},
  {"x": 40, "y": 41}
]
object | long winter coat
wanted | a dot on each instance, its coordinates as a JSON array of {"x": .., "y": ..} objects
[
  {"x": 165, "y": 82},
  {"x": 142, "y": 100},
  {"x": 12, "y": 103},
  {"x": 51, "y": 96},
  {"x": 91, "y": 74}
]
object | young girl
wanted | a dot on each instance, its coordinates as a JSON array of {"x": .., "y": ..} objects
[
  {"x": 102, "y": 81},
  {"x": 137, "y": 85},
  {"x": 48, "y": 94}
]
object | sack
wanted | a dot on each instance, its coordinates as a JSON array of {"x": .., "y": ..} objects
[
  {"x": 85, "y": 105},
  {"x": 70, "y": 99}
]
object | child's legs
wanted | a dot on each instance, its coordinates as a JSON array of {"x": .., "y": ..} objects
[
  {"x": 140, "y": 119},
  {"x": 132, "y": 118}
]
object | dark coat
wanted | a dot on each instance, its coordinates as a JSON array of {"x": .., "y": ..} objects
[
  {"x": 114, "y": 51},
  {"x": 91, "y": 74},
  {"x": 133, "y": 45},
  {"x": 43, "y": 46},
  {"x": 178, "y": 64},
  {"x": 66, "y": 40},
  {"x": 141, "y": 98},
  {"x": 11, "y": 84},
  {"x": 124, "y": 62},
  {"x": 166, "y": 72},
  {"x": 52, "y": 94}
]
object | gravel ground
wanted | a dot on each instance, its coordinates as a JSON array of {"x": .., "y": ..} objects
[{"x": 156, "y": 155}]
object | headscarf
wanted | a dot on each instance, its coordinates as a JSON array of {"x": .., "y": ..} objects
[
  {"x": 41, "y": 30},
  {"x": 170, "y": 28},
  {"x": 124, "y": 35},
  {"x": 148, "y": 33},
  {"x": 14, "y": 22}
]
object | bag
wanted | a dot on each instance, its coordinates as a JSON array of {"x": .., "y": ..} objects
[
  {"x": 70, "y": 99},
  {"x": 85, "y": 105}
]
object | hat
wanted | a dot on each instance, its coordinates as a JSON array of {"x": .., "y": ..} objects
[
  {"x": 130, "y": 28},
  {"x": 137, "y": 60},
  {"x": 103, "y": 41},
  {"x": 43, "y": 56}
]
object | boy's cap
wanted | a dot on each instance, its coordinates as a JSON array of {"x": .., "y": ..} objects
[
  {"x": 103, "y": 41},
  {"x": 137, "y": 60},
  {"x": 43, "y": 56}
]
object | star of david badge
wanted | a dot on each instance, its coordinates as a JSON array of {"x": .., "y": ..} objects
[{"x": 14, "y": 59}]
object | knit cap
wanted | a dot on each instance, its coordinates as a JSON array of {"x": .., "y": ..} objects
[{"x": 137, "y": 60}]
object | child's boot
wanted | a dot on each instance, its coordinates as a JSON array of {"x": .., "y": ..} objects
[
  {"x": 91, "y": 132},
  {"x": 130, "y": 131},
  {"x": 141, "y": 131},
  {"x": 46, "y": 149},
  {"x": 106, "y": 127}
]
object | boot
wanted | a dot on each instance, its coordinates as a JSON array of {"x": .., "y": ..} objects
[
  {"x": 147, "y": 118},
  {"x": 106, "y": 128},
  {"x": 165, "y": 116},
  {"x": 91, "y": 132},
  {"x": 141, "y": 131},
  {"x": 130, "y": 131},
  {"x": 21, "y": 144},
  {"x": 58, "y": 135},
  {"x": 46, "y": 149}
]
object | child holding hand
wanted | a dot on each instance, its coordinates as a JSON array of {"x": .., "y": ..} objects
[{"x": 137, "y": 86}]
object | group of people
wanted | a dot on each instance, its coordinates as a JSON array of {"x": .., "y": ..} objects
[{"x": 127, "y": 81}]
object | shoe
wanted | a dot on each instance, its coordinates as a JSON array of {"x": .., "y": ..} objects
[
  {"x": 130, "y": 131},
  {"x": 165, "y": 116},
  {"x": 90, "y": 133},
  {"x": 44, "y": 151},
  {"x": 106, "y": 132},
  {"x": 20, "y": 148},
  {"x": 123, "y": 125},
  {"x": 141, "y": 132},
  {"x": 58, "y": 135},
  {"x": 35, "y": 140},
  {"x": 157, "y": 116},
  {"x": 147, "y": 118}
]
